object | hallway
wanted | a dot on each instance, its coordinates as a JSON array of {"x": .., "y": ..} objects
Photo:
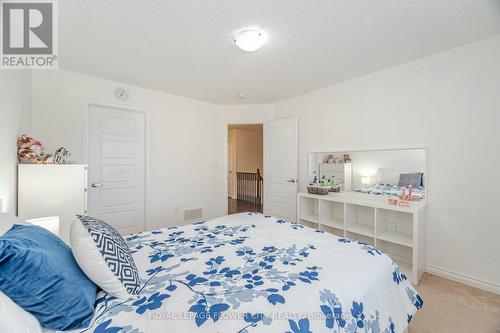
[
  {"x": 245, "y": 167},
  {"x": 239, "y": 206}
]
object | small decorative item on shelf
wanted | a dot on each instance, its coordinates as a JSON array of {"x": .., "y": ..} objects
[
  {"x": 416, "y": 198},
  {"x": 393, "y": 201},
  {"x": 30, "y": 151},
  {"x": 404, "y": 203},
  {"x": 321, "y": 190},
  {"x": 323, "y": 182},
  {"x": 335, "y": 189},
  {"x": 402, "y": 195},
  {"x": 328, "y": 159},
  {"x": 408, "y": 196},
  {"x": 62, "y": 156},
  {"x": 333, "y": 183},
  {"x": 347, "y": 158}
]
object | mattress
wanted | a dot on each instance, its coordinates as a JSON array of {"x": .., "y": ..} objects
[
  {"x": 388, "y": 190},
  {"x": 254, "y": 273}
]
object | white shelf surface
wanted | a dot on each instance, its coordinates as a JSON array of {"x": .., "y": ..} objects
[
  {"x": 333, "y": 230},
  {"x": 334, "y": 223},
  {"x": 310, "y": 218},
  {"x": 361, "y": 230},
  {"x": 365, "y": 200},
  {"x": 395, "y": 237}
]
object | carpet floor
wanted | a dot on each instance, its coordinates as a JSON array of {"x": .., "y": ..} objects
[{"x": 455, "y": 308}]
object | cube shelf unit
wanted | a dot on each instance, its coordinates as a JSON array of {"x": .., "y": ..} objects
[{"x": 398, "y": 231}]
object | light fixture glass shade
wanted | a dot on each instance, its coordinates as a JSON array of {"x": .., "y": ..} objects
[
  {"x": 250, "y": 39},
  {"x": 50, "y": 223}
]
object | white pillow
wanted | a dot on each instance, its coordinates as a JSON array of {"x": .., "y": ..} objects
[
  {"x": 104, "y": 256},
  {"x": 15, "y": 318}
]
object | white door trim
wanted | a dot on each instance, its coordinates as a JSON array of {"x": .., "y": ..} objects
[
  {"x": 86, "y": 109},
  {"x": 231, "y": 157},
  {"x": 225, "y": 167},
  {"x": 296, "y": 176}
]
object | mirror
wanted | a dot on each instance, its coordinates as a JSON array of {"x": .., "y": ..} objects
[{"x": 372, "y": 172}]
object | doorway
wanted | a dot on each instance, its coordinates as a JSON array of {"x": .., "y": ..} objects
[{"x": 245, "y": 168}]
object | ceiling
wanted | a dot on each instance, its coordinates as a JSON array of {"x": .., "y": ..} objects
[{"x": 185, "y": 47}]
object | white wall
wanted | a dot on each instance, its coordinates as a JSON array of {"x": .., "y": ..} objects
[
  {"x": 249, "y": 149},
  {"x": 185, "y": 139},
  {"x": 15, "y": 106},
  {"x": 246, "y": 114},
  {"x": 449, "y": 102}
]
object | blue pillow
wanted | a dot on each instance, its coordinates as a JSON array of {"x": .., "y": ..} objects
[
  {"x": 414, "y": 179},
  {"x": 39, "y": 273}
]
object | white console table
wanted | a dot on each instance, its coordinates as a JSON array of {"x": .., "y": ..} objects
[{"x": 398, "y": 231}]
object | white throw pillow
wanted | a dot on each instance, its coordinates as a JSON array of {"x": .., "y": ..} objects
[
  {"x": 104, "y": 256},
  {"x": 15, "y": 318}
]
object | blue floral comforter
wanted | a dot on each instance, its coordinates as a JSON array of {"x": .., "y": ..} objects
[
  {"x": 250, "y": 273},
  {"x": 389, "y": 190}
]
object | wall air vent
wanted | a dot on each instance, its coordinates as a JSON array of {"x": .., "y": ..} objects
[{"x": 191, "y": 215}]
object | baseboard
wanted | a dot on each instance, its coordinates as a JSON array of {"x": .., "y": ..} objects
[{"x": 462, "y": 278}]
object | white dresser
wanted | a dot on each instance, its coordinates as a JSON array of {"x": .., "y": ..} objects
[
  {"x": 398, "y": 231},
  {"x": 52, "y": 190}
]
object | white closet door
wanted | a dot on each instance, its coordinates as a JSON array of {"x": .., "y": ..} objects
[
  {"x": 280, "y": 165},
  {"x": 116, "y": 156}
]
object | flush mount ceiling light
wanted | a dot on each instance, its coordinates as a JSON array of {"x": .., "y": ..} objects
[
  {"x": 241, "y": 96},
  {"x": 250, "y": 39}
]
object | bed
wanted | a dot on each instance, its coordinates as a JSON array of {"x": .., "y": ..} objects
[
  {"x": 389, "y": 190},
  {"x": 251, "y": 273}
]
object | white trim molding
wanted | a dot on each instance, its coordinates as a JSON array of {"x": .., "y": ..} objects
[{"x": 464, "y": 279}]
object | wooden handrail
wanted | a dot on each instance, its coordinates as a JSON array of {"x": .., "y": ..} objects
[{"x": 249, "y": 186}]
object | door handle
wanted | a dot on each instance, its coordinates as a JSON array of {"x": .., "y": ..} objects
[
  {"x": 97, "y": 185},
  {"x": 291, "y": 180}
]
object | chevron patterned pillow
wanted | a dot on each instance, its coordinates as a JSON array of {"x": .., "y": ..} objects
[{"x": 104, "y": 256}]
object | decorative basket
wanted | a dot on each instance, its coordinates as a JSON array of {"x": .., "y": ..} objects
[
  {"x": 317, "y": 190},
  {"x": 335, "y": 189}
]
